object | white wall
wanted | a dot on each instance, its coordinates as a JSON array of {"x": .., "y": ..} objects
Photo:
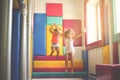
[
  {"x": 95, "y": 57},
  {"x": 72, "y": 9},
  {"x": 78, "y": 53}
]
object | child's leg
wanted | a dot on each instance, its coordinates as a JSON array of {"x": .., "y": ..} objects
[
  {"x": 72, "y": 61},
  {"x": 66, "y": 62},
  {"x": 58, "y": 51},
  {"x": 52, "y": 51}
]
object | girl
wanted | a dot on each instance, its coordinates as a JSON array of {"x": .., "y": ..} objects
[
  {"x": 55, "y": 39},
  {"x": 70, "y": 36}
]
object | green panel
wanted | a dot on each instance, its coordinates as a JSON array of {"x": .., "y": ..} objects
[
  {"x": 56, "y": 20},
  {"x": 58, "y": 74},
  {"x": 64, "y": 50},
  {"x": 116, "y": 38}
]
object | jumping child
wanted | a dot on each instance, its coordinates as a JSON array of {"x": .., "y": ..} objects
[
  {"x": 70, "y": 36},
  {"x": 55, "y": 39}
]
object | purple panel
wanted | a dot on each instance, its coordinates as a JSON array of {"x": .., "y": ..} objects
[
  {"x": 108, "y": 72},
  {"x": 115, "y": 53}
]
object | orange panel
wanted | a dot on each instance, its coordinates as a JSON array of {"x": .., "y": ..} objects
[
  {"x": 48, "y": 41},
  {"x": 56, "y": 64},
  {"x": 106, "y": 55}
]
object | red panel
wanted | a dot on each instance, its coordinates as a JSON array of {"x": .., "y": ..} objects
[
  {"x": 49, "y": 58},
  {"x": 76, "y": 26},
  {"x": 56, "y": 69},
  {"x": 54, "y": 9}
]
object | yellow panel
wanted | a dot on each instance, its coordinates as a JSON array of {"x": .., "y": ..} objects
[
  {"x": 48, "y": 41},
  {"x": 106, "y": 55},
  {"x": 31, "y": 53},
  {"x": 56, "y": 64}
]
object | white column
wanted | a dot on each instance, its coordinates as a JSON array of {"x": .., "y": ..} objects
[
  {"x": 5, "y": 38},
  {"x": 29, "y": 36},
  {"x": 23, "y": 44}
]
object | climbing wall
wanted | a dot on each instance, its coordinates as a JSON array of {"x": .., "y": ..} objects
[
  {"x": 54, "y": 15},
  {"x": 49, "y": 66}
]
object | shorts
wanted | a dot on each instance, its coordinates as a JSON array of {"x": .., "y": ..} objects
[
  {"x": 55, "y": 45},
  {"x": 70, "y": 51}
]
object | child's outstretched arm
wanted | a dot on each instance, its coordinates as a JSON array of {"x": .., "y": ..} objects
[{"x": 79, "y": 35}]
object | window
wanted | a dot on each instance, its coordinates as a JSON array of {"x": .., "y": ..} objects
[
  {"x": 116, "y": 15},
  {"x": 93, "y": 23}
]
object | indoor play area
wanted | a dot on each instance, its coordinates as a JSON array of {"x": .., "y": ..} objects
[{"x": 26, "y": 39}]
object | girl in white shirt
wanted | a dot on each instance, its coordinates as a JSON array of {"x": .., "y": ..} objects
[{"x": 70, "y": 36}]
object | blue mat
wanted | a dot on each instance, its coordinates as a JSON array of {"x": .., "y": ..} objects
[
  {"x": 89, "y": 79},
  {"x": 59, "y": 74}
]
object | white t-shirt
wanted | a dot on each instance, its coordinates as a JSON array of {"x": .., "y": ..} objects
[{"x": 69, "y": 45}]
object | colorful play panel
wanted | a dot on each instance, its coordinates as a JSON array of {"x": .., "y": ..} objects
[
  {"x": 48, "y": 42},
  {"x": 54, "y": 9},
  {"x": 56, "y": 69},
  {"x": 56, "y": 64},
  {"x": 49, "y": 58},
  {"x": 44, "y": 65},
  {"x": 49, "y": 66},
  {"x": 58, "y": 74}
]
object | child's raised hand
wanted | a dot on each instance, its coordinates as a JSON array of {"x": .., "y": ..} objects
[
  {"x": 54, "y": 24},
  {"x": 84, "y": 30}
]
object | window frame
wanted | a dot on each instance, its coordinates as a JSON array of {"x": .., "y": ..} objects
[
  {"x": 99, "y": 42},
  {"x": 115, "y": 35}
]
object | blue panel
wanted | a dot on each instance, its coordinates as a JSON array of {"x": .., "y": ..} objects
[
  {"x": 39, "y": 34},
  {"x": 15, "y": 46},
  {"x": 85, "y": 59}
]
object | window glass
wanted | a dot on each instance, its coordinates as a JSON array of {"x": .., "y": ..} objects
[
  {"x": 93, "y": 22},
  {"x": 117, "y": 16}
]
